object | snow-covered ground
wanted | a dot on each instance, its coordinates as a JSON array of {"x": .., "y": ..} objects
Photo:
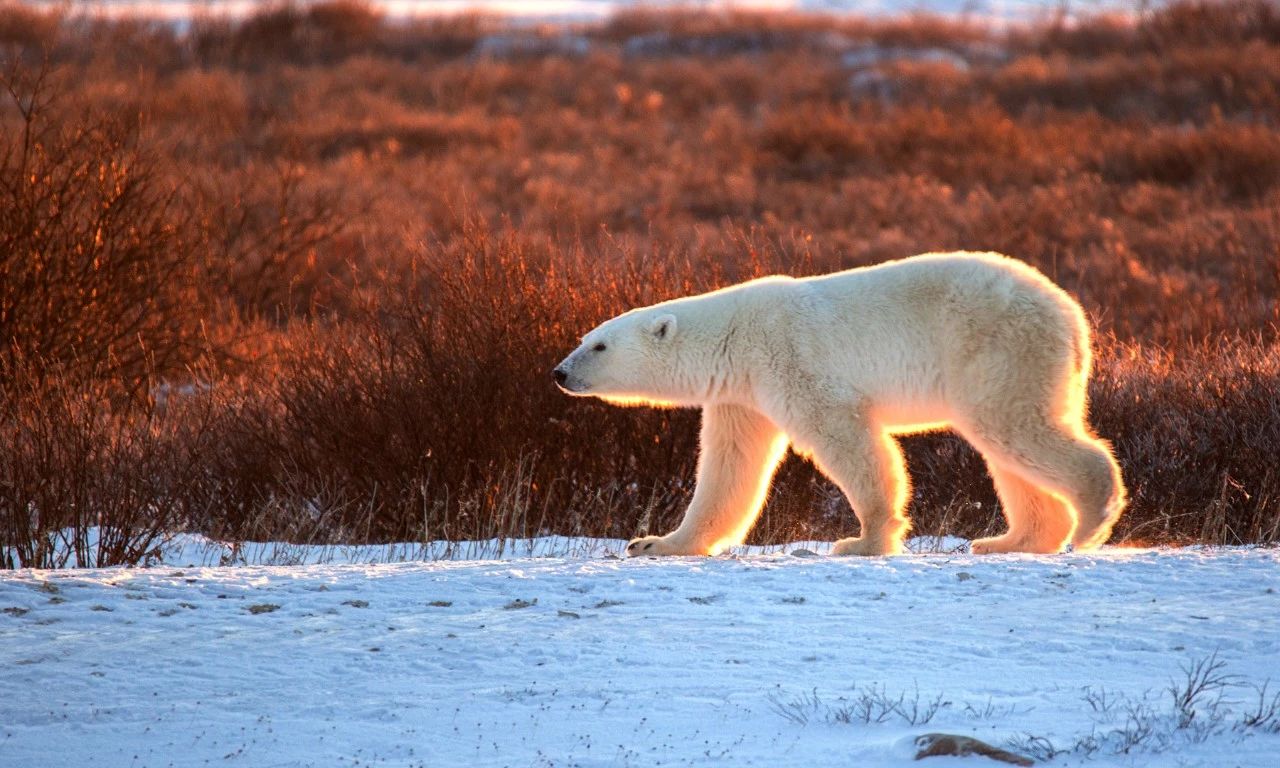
[{"x": 771, "y": 659}]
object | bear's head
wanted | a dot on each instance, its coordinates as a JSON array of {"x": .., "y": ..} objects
[{"x": 629, "y": 360}]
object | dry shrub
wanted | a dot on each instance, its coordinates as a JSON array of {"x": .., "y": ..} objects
[
  {"x": 274, "y": 239},
  {"x": 1180, "y": 85},
  {"x": 1196, "y": 431},
  {"x": 31, "y": 28},
  {"x": 87, "y": 483},
  {"x": 1241, "y": 160},
  {"x": 304, "y": 33},
  {"x": 1163, "y": 28},
  {"x": 816, "y": 135},
  {"x": 213, "y": 99},
  {"x": 350, "y": 23},
  {"x": 361, "y": 419},
  {"x": 1206, "y": 22},
  {"x": 400, "y": 228},
  {"x": 397, "y": 132},
  {"x": 96, "y": 277},
  {"x": 969, "y": 146}
]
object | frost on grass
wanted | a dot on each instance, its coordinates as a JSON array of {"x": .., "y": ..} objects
[
  {"x": 1205, "y": 702},
  {"x": 867, "y": 705}
]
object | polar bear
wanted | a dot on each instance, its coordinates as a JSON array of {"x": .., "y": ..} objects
[{"x": 835, "y": 366}]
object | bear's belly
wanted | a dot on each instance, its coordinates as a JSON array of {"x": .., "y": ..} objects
[{"x": 909, "y": 416}]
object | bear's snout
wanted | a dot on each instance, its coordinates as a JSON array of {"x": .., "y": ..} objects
[{"x": 560, "y": 376}]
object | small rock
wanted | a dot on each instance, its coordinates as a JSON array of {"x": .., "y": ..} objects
[
  {"x": 951, "y": 745},
  {"x": 503, "y": 46},
  {"x": 518, "y": 603},
  {"x": 568, "y": 615},
  {"x": 440, "y": 603},
  {"x": 263, "y": 608},
  {"x": 873, "y": 55},
  {"x": 964, "y": 576},
  {"x": 356, "y": 603},
  {"x": 803, "y": 553}
]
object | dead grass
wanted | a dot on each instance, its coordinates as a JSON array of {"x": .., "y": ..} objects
[{"x": 343, "y": 253}]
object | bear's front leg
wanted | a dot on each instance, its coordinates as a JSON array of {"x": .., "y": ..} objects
[{"x": 740, "y": 450}]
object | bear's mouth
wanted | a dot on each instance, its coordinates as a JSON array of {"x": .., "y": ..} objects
[
  {"x": 570, "y": 386},
  {"x": 565, "y": 378}
]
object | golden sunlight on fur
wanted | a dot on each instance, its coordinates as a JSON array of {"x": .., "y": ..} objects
[{"x": 840, "y": 365}]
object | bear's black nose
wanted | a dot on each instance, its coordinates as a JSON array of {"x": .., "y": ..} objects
[{"x": 560, "y": 376}]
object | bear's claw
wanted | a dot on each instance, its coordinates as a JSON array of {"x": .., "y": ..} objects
[
  {"x": 641, "y": 547},
  {"x": 658, "y": 545}
]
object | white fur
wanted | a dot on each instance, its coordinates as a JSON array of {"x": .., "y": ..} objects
[{"x": 837, "y": 365}]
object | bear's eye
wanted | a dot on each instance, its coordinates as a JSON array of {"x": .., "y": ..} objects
[{"x": 599, "y": 347}]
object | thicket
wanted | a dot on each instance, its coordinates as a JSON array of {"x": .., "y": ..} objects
[{"x": 303, "y": 275}]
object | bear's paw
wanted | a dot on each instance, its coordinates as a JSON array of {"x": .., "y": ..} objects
[
  {"x": 659, "y": 545},
  {"x": 866, "y": 547}
]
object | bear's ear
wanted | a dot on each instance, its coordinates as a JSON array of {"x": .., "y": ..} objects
[{"x": 662, "y": 327}]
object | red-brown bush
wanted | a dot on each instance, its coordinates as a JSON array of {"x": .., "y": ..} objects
[{"x": 392, "y": 231}]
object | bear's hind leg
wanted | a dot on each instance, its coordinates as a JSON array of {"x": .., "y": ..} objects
[
  {"x": 1077, "y": 467},
  {"x": 866, "y": 463},
  {"x": 1102, "y": 494},
  {"x": 1039, "y": 522},
  {"x": 740, "y": 449}
]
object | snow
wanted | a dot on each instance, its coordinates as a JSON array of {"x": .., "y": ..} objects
[{"x": 780, "y": 658}]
